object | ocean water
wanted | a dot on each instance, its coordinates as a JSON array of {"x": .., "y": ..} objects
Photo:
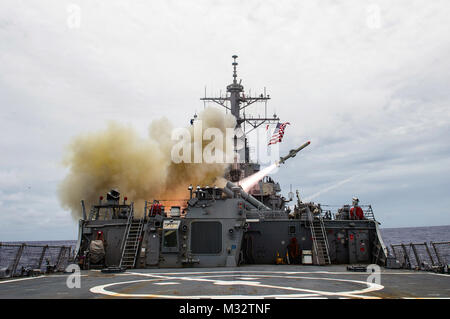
[{"x": 415, "y": 235}]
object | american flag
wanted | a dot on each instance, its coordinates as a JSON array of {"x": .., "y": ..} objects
[{"x": 278, "y": 133}]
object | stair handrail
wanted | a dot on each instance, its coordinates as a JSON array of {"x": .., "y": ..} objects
[
  {"x": 379, "y": 238},
  {"x": 126, "y": 233},
  {"x": 136, "y": 243},
  {"x": 322, "y": 226},
  {"x": 313, "y": 235}
]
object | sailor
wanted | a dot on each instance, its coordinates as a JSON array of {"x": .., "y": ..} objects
[{"x": 356, "y": 212}]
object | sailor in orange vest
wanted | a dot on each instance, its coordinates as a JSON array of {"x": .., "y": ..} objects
[{"x": 356, "y": 212}]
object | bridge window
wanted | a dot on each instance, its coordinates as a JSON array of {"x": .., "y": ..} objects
[{"x": 170, "y": 238}]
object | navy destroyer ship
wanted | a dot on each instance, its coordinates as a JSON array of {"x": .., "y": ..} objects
[
  {"x": 229, "y": 226},
  {"x": 236, "y": 241}
]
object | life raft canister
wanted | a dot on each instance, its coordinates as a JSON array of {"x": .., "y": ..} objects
[{"x": 156, "y": 209}]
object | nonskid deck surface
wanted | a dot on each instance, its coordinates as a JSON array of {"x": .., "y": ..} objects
[{"x": 244, "y": 282}]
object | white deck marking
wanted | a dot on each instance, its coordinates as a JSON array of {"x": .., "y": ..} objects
[
  {"x": 20, "y": 279},
  {"x": 445, "y": 275},
  {"x": 242, "y": 273},
  {"x": 306, "y": 293},
  {"x": 425, "y": 297},
  {"x": 29, "y": 278}
]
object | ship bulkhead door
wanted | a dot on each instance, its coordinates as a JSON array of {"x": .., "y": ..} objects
[
  {"x": 358, "y": 245},
  {"x": 341, "y": 243},
  {"x": 113, "y": 237},
  {"x": 352, "y": 256},
  {"x": 153, "y": 248},
  {"x": 362, "y": 246}
]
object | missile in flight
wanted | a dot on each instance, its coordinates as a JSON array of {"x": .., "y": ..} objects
[{"x": 292, "y": 153}]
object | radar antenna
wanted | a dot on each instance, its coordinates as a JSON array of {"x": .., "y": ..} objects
[{"x": 236, "y": 101}]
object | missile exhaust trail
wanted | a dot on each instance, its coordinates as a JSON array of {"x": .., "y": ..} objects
[{"x": 250, "y": 181}]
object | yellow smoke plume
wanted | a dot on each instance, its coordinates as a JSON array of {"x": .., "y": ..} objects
[{"x": 139, "y": 168}]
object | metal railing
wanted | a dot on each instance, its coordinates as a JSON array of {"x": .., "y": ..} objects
[
  {"x": 20, "y": 259},
  {"x": 421, "y": 256},
  {"x": 126, "y": 232},
  {"x": 442, "y": 252},
  {"x": 313, "y": 235},
  {"x": 330, "y": 211},
  {"x": 325, "y": 238}
]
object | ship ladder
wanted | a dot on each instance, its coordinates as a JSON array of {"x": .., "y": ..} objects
[
  {"x": 132, "y": 240},
  {"x": 319, "y": 240},
  {"x": 92, "y": 213},
  {"x": 379, "y": 252}
]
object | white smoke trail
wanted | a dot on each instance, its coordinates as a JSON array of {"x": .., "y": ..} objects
[{"x": 329, "y": 188}]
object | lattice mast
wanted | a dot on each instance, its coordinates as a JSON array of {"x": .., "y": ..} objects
[{"x": 236, "y": 102}]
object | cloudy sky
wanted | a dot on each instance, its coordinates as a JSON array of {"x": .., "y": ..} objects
[{"x": 367, "y": 82}]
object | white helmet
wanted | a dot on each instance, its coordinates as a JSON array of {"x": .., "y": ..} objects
[{"x": 355, "y": 200}]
